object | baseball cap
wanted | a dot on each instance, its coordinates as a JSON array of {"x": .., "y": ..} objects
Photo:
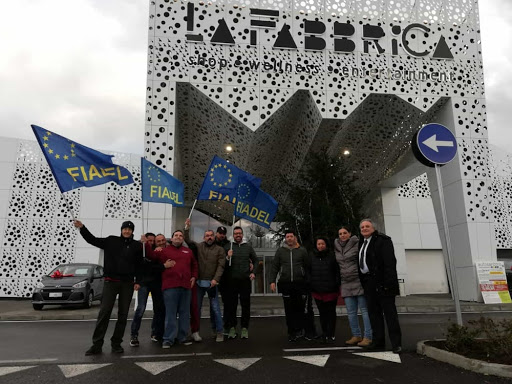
[{"x": 222, "y": 230}]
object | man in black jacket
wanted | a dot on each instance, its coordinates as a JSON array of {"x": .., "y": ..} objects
[
  {"x": 377, "y": 271},
  {"x": 122, "y": 259}
]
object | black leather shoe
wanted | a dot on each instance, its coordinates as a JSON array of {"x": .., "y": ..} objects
[
  {"x": 94, "y": 350},
  {"x": 397, "y": 350},
  {"x": 117, "y": 349}
]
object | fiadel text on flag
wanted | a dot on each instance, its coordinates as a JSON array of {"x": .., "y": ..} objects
[
  {"x": 253, "y": 204},
  {"x": 158, "y": 186},
  {"x": 74, "y": 165}
]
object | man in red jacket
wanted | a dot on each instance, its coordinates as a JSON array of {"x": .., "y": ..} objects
[{"x": 177, "y": 282}]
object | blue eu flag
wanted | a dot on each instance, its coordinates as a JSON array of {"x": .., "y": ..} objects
[
  {"x": 74, "y": 165},
  {"x": 253, "y": 204},
  {"x": 158, "y": 186},
  {"x": 221, "y": 181}
]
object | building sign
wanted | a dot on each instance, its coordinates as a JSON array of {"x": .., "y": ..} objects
[
  {"x": 493, "y": 282},
  {"x": 314, "y": 35}
]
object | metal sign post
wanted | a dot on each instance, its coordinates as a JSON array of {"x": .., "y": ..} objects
[
  {"x": 455, "y": 286},
  {"x": 435, "y": 145}
]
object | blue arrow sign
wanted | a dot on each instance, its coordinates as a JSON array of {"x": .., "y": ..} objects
[{"x": 436, "y": 143}]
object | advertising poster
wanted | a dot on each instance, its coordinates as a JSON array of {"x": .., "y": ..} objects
[{"x": 493, "y": 282}]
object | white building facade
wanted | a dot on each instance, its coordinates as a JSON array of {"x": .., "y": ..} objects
[{"x": 276, "y": 80}]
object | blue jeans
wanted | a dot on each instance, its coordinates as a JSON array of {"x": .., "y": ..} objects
[
  {"x": 352, "y": 303},
  {"x": 157, "y": 325},
  {"x": 215, "y": 314},
  {"x": 177, "y": 302}
]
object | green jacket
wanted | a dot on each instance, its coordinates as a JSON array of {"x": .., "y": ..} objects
[
  {"x": 239, "y": 267},
  {"x": 290, "y": 264}
]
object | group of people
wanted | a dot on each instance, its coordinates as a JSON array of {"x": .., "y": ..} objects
[{"x": 178, "y": 274}]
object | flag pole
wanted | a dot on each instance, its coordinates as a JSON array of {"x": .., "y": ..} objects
[
  {"x": 233, "y": 236},
  {"x": 142, "y": 202},
  {"x": 68, "y": 206},
  {"x": 192, "y": 210},
  {"x": 143, "y": 228}
]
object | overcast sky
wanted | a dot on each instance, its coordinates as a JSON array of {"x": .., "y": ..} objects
[{"x": 78, "y": 67}]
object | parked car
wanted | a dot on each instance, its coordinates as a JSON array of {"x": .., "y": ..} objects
[
  {"x": 508, "y": 272},
  {"x": 69, "y": 284}
]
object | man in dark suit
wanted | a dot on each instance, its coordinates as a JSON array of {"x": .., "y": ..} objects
[{"x": 377, "y": 270}]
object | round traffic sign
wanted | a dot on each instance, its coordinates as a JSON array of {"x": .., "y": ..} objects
[{"x": 434, "y": 144}]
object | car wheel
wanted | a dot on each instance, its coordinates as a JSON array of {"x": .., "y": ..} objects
[
  {"x": 37, "y": 307},
  {"x": 90, "y": 299}
]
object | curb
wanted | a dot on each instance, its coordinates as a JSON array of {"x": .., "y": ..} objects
[{"x": 474, "y": 365}]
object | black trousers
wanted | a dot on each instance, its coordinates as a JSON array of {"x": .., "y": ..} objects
[
  {"x": 234, "y": 289},
  {"x": 382, "y": 307},
  {"x": 327, "y": 310},
  {"x": 110, "y": 290},
  {"x": 294, "y": 300}
]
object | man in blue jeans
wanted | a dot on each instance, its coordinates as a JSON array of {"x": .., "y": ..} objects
[
  {"x": 177, "y": 282},
  {"x": 211, "y": 267},
  {"x": 151, "y": 282}
]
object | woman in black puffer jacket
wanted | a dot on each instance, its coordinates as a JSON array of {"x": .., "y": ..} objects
[{"x": 323, "y": 275}]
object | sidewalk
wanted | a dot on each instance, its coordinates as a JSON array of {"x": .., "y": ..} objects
[{"x": 260, "y": 306}]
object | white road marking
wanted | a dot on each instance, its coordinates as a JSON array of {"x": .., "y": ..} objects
[
  {"x": 164, "y": 355},
  {"x": 387, "y": 356},
  {"x": 318, "y": 360},
  {"x": 319, "y": 349},
  {"x": 7, "y": 370},
  {"x": 157, "y": 367},
  {"x": 27, "y": 361},
  {"x": 73, "y": 370},
  {"x": 239, "y": 364}
]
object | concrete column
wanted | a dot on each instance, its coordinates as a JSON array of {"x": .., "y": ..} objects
[{"x": 467, "y": 199}]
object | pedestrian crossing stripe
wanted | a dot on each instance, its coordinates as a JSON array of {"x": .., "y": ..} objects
[
  {"x": 239, "y": 364},
  {"x": 318, "y": 360},
  {"x": 73, "y": 370},
  {"x": 7, "y": 370},
  {"x": 386, "y": 356},
  {"x": 157, "y": 367}
]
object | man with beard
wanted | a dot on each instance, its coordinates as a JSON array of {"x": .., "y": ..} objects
[{"x": 211, "y": 267}]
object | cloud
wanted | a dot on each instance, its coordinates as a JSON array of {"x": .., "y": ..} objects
[
  {"x": 496, "y": 33},
  {"x": 77, "y": 68}
]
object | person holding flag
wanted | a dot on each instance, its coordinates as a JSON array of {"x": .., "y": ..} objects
[{"x": 237, "y": 283}]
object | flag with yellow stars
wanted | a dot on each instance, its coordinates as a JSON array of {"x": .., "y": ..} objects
[
  {"x": 74, "y": 165},
  {"x": 253, "y": 204},
  {"x": 158, "y": 186},
  {"x": 221, "y": 181}
]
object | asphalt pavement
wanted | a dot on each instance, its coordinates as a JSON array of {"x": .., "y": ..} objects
[
  {"x": 53, "y": 352},
  {"x": 48, "y": 347}
]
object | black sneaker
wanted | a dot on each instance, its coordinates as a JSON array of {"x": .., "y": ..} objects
[
  {"x": 117, "y": 349},
  {"x": 134, "y": 341},
  {"x": 94, "y": 350}
]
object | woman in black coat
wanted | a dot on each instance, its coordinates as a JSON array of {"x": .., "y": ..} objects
[{"x": 324, "y": 279}]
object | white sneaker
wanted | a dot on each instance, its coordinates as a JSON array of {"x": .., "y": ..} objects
[{"x": 196, "y": 337}]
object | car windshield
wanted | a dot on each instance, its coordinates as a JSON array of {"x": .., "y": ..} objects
[{"x": 71, "y": 270}]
